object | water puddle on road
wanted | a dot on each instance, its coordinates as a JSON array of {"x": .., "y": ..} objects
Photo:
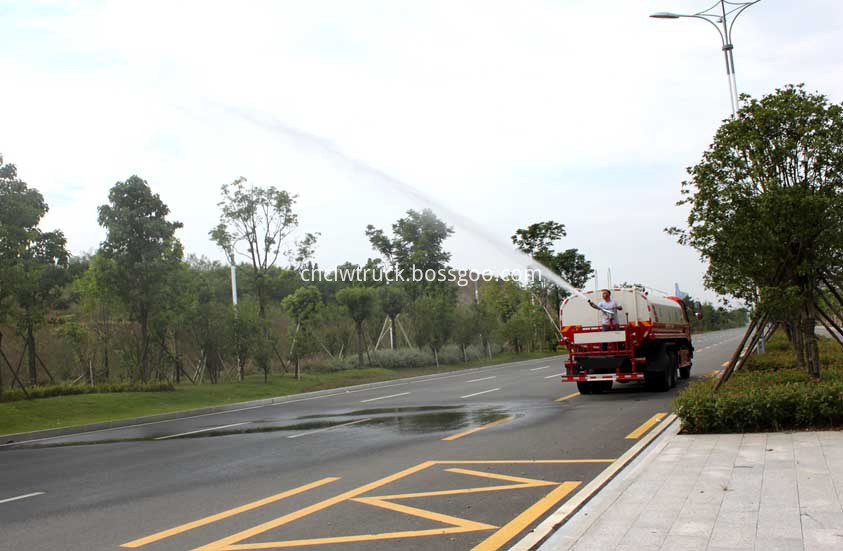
[{"x": 404, "y": 420}]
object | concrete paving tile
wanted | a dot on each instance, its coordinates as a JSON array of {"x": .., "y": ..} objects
[
  {"x": 778, "y": 544},
  {"x": 779, "y": 523},
  {"x": 734, "y": 529},
  {"x": 640, "y": 536},
  {"x": 819, "y": 520},
  {"x": 817, "y": 492},
  {"x": 823, "y": 539},
  {"x": 684, "y": 543}
]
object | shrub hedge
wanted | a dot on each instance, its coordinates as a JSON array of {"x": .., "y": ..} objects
[
  {"x": 414, "y": 357},
  {"x": 67, "y": 390},
  {"x": 769, "y": 394}
]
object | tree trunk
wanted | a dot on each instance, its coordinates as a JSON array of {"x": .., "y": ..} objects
[
  {"x": 809, "y": 343},
  {"x": 392, "y": 335},
  {"x": 464, "y": 357},
  {"x": 30, "y": 344},
  {"x": 435, "y": 356},
  {"x": 144, "y": 351},
  {"x": 298, "y": 371},
  {"x": 359, "y": 344}
]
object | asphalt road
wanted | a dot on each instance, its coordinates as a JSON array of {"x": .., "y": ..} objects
[{"x": 454, "y": 461}]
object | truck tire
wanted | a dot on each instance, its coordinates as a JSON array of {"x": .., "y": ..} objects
[
  {"x": 585, "y": 387},
  {"x": 657, "y": 381},
  {"x": 602, "y": 386},
  {"x": 684, "y": 372}
]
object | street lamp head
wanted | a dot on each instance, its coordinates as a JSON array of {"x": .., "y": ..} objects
[{"x": 665, "y": 15}]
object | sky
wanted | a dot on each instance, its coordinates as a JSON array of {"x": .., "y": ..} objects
[{"x": 507, "y": 113}]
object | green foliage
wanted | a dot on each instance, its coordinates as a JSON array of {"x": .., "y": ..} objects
[
  {"x": 537, "y": 240},
  {"x": 766, "y": 207},
  {"x": 769, "y": 394},
  {"x": 34, "y": 262},
  {"x": 417, "y": 244},
  {"x": 69, "y": 390},
  {"x": 434, "y": 322},
  {"x": 143, "y": 255},
  {"x": 360, "y": 303}
]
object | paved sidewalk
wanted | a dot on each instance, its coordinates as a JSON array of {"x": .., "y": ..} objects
[{"x": 769, "y": 491}]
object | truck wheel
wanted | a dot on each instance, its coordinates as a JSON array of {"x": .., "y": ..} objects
[
  {"x": 684, "y": 372},
  {"x": 584, "y": 387},
  {"x": 658, "y": 381},
  {"x": 602, "y": 386}
]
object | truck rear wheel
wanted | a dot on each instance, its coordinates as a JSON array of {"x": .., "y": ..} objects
[
  {"x": 684, "y": 372},
  {"x": 657, "y": 381},
  {"x": 585, "y": 387}
]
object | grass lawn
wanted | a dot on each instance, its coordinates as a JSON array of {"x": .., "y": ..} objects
[{"x": 65, "y": 411}]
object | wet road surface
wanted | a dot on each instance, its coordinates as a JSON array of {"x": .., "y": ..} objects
[{"x": 453, "y": 461}]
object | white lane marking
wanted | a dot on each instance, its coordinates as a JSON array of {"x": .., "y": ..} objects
[
  {"x": 552, "y": 376},
  {"x": 329, "y": 428},
  {"x": 483, "y": 379},
  {"x": 479, "y": 393},
  {"x": 33, "y": 494},
  {"x": 201, "y": 430},
  {"x": 384, "y": 397},
  {"x": 540, "y": 368}
]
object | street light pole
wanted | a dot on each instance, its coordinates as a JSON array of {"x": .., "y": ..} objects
[{"x": 721, "y": 14}]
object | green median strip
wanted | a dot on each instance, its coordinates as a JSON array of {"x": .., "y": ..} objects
[{"x": 67, "y": 411}]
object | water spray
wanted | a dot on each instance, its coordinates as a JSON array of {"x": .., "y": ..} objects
[{"x": 332, "y": 152}]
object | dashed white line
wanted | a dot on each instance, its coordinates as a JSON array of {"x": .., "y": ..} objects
[
  {"x": 329, "y": 428},
  {"x": 483, "y": 379},
  {"x": 384, "y": 397},
  {"x": 552, "y": 376},
  {"x": 33, "y": 494},
  {"x": 479, "y": 393},
  {"x": 201, "y": 430},
  {"x": 540, "y": 368}
]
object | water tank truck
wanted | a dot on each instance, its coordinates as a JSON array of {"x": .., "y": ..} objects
[{"x": 650, "y": 342}]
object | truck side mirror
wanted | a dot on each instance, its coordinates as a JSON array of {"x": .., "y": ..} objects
[{"x": 698, "y": 310}]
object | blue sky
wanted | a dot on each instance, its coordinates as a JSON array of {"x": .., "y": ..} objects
[{"x": 582, "y": 112}]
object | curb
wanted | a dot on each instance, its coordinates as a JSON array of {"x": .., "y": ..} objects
[
  {"x": 16, "y": 438},
  {"x": 570, "y": 508}
]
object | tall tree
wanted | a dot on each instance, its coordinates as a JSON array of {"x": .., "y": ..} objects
[
  {"x": 144, "y": 252},
  {"x": 766, "y": 208},
  {"x": 434, "y": 322},
  {"x": 262, "y": 221},
  {"x": 33, "y": 262},
  {"x": 393, "y": 299},
  {"x": 417, "y": 244},
  {"x": 302, "y": 305},
  {"x": 360, "y": 303}
]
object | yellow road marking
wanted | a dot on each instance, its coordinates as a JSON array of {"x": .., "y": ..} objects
[
  {"x": 477, "y": 429},
  {"x": 522, "y": 521},
  {"x": 225, "y": 514},
  {"x": 520, "y": 483},
  {"x": 227, "y": 542},
  {"x": 645, "y": 426},
  {"x": 523, "y": 461},
  {"x": 568, "y": 397},
  {"x": 350, "y": 539},
  {"x": 469, "y": 525}
]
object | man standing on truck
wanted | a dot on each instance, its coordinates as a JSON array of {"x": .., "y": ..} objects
[{"x": 609, "y": 309}]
